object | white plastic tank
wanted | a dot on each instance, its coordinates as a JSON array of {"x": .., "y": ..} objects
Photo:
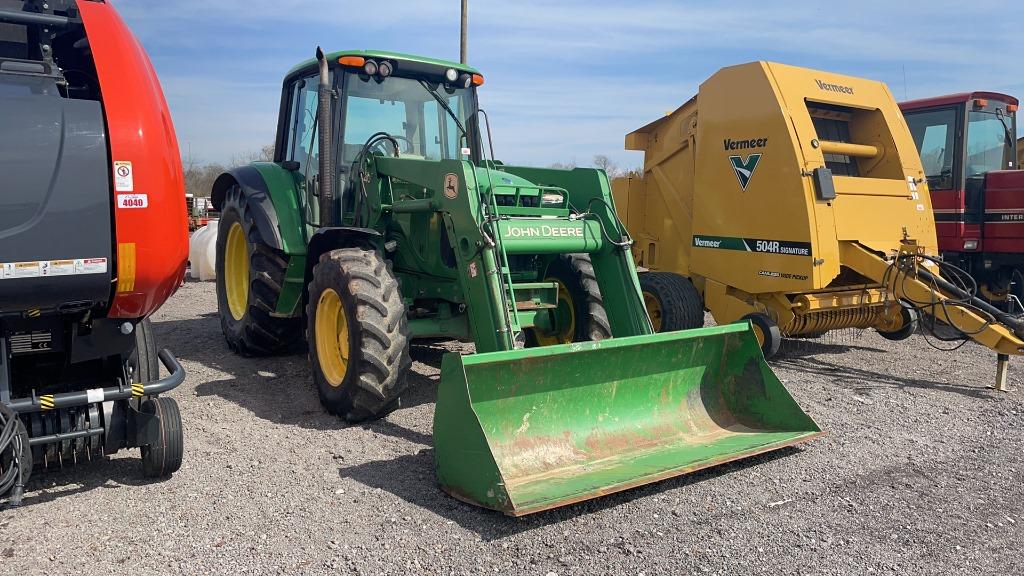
[{"x": 202, "y": 253}]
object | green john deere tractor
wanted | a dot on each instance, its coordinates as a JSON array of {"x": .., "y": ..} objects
[{"x": 382, "y": 219}]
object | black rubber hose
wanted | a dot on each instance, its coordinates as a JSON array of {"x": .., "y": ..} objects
[
  {"x": 16, "y": 454},
  {"x": 1012, "y": 322}
]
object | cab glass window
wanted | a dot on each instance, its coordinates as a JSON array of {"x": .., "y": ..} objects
[
  {"x": 408, "y": 110},
  {"x": 302, "y": 137},
  {"x": 934, "y": 133},
  {"x": 989, "y": 142}
]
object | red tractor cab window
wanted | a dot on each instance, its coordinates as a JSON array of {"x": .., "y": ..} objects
[{"x": 935, "y": 134}]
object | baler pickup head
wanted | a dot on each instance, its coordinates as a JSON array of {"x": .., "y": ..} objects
[{"x": 528, "y": 430}]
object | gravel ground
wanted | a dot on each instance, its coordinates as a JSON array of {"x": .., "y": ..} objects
[{"x": 920, "y": 473}]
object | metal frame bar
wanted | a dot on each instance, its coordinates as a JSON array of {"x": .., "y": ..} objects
[
  {"x": 5, "y": 373},
  {"x": 34, "y": 19},
  {"x": 86, "y": 397}
]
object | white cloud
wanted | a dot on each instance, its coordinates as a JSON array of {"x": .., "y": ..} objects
[{"x": 566, "y": 78}]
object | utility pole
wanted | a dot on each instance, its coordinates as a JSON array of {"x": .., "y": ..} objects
[{"x": 463, "y": 53}]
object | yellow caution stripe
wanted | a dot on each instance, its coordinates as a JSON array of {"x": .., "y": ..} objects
[
  {"x": 46, "y": 402},
  {"x": 138, "y": 390},
  {"x": 35, "y": 313}
]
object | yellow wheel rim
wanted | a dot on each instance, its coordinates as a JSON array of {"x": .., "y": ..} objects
[
  {"x": 236, "y": 271},
  {"x": 566, "y": 311},
  {"x": 993, "y": 295},
  {"x": 759, "y": 333},
  {"x": 332, "y": 345},
  {"x": 653, "y": 306}
]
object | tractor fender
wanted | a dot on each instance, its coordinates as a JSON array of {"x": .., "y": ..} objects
[
  {"x": 258, "y": 196},
  {"x": 327, "y": 239}
]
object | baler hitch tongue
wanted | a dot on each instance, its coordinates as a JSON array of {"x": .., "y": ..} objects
[{"x": 528, "y": 430}]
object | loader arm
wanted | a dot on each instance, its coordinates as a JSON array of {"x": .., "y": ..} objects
[
  {"x": 996, "y": 336},
  {"x": 491, "y": 321}
]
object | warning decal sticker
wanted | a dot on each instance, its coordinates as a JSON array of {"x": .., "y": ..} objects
[
  {"x": 124, "y": 177},
  {"x": 81, "y": 266}
]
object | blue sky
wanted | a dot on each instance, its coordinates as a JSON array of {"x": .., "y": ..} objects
[{"x": 565, "y": 80}]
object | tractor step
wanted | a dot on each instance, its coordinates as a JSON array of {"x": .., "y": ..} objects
[
  {"x": 531, "y": 305},
  {"x": 535, "y": 295}
]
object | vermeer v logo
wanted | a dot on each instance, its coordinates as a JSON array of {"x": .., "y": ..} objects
[{"x": 745, "y": 168}]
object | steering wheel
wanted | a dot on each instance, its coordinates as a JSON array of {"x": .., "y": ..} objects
[{"x": 407, "y": 141}]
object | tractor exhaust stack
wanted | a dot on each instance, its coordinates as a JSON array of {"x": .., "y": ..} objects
[{"x": 325, "y": 93}]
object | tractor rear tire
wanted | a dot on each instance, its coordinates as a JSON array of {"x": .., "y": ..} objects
[
  {"x": 672, "y": 301},
  {"x": 358, "y": 334},
  {"x": 578, "y": 287},
  {"x": 249, "y": 285},
  {"x": 910, "y": 322},
  {"x": 768, "y": 334},
  {"x": 163, "y": 458}
]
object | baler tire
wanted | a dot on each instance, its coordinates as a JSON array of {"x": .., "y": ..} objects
[
  {"x": 144, "y": 359},
  {"x": 910, "y": 323},
  {"x": 679, "y": 302},
  {"x": 257, "y": 333},
  {"x": 576, "y": 273},
  {"x": 376, "y": 330},
  {"x": 769, "y": 330},
  {"x": 162, "y": 459}
]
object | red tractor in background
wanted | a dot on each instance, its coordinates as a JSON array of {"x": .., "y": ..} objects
[
  {"x": 968, "y": 145},
  {"x": 93, "y": 240}
]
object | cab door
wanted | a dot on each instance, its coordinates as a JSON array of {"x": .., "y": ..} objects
[
  {"x": 301, "y": 142},
  {"x": 938, "y": 134}
]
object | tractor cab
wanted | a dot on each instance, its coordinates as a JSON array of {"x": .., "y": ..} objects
[
  {"x": 381, "y": 103},
  {"x": 968, "y": 146}
]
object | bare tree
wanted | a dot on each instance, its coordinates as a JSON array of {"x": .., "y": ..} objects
[
  {"x": 264, "y": 154},
  {"x": 200, "y": 176},
  {"x": 566, "y": 166},
  {"x": 607, "y": 164},
  {"x": 193, "y": 176}
]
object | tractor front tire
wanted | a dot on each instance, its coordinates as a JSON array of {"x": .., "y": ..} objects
[
  {"x": 672, "y": 302},
  {"x": 250, "y": 275},
  {"x": 580, "y": 301},
  {"x": 358, "y": 334}
]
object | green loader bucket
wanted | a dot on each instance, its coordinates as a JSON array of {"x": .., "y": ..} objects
[{"x": 528, "y": 430}]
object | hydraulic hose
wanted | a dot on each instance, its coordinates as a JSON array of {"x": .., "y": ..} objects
[
  {"x": 15, "y": 456},
  {"x": 1012, "y": 322}
]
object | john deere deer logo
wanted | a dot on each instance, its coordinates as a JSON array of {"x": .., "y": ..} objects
[
  {"x": 451, "y": 186},
  {"x": 745, "y": 168}
]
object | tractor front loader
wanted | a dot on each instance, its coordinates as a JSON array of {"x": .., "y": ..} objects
[
  {"x": 795, "y": 199},
  {"x": 381, "y": 220}
]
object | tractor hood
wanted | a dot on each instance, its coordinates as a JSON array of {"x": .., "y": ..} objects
[
  {"x": 55, "y": 207},
  {"x": 496, "y": 177}
]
